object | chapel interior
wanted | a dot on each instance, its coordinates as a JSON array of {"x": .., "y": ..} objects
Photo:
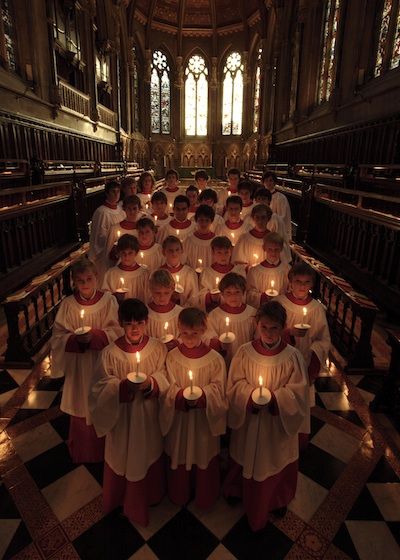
[{"x": 96, "y": 90}]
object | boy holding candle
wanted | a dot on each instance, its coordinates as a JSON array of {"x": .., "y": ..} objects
[
  {"x": 127, "y": 279},
  {"x": 150, "y": 252},
  {"x": 264, "y": 438},
  {"x": 233, "y": 226},
  {"x": 210, "y": 197},
  {"x": 171, "y": 189},
  {"x": 279, "y": 202},
  {"x": 159, "y": 209},
  {"x": 249, "y": 248},
  {"x": 186, "y": 281},
  {"x": 192, "y": 427},
  {"x": 180, "y": 225},
  {"x": 245, "y": 191},
  {"x": 201, "y": 179},
  {"x": 269, "y": 278},
  {"x": 74, "y": 355},
  {"x": 197, "y": 245},
  {"x": 163, "y": 312},
  {"x": 233, "y": 314},
  {"x": 145, "y": 188},
  {"x": 132, "y": 207},
  {"x": 192, "y": 192},
  {"x": 126, "y": 412}
]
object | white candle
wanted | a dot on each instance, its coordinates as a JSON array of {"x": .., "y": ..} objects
[
  {"x": 255, "y": 258},
  {"x": 166, "y": 326},
  {"x": 141, "y": 255},
  {"x": 137, "y": 363},
  {"x": 272, "y": 284},
  {"x": 200, "y": 261},
  {"x": 229, "y": 193},
  {"x": 227, "y": 325},
  {"x": 177, "y": 232},
  {"x": 233, "y": 236},
  {"x": 170, "y": 206},
  {"x": 261, "y": 383},
  {"x": 118, "y": 234},
  {"x": 190, "y": 373},
  {"x": 304, "y": 315},
  {"x": 122, "y": 283},
  {"x": 82, "y": 314},
  {"x": 155, "y": 219},
  {"x": 217, "y": 282},
  {"x": 177, "y": 278}
]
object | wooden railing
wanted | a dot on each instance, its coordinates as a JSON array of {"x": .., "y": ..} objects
[
  {"x": 14, "y": 172},
  {"x": 33, "y": 195},
  {"x": 107, "y": 117},
  {"x": 73, "y": 99}
]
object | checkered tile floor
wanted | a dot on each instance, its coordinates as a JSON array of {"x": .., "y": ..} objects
[{"x": 347, "y": 503}]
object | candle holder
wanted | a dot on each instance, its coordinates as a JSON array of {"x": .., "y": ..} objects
[
  {"x": 263, "y": 398},
  {"x": 192, "y": 393},
  {"x": 199, "y": 270},
  {"x": 301, "y": 329},
  {"x": 271, "y": 292},
  {"x": 227, "y": 337},
  {"x": 215, "y": 291},
  {"x": 120, "y": 294},
  {"x": 80, "y": 331},
  {"x": 167, "y": 338},
  {"x": 136, "y": 377}
]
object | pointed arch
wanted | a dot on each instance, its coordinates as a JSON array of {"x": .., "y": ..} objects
[
  {"x": 196, "y": 94},
  {"x": 232, "y": 96},
  {"x": 160, "y": 93}
]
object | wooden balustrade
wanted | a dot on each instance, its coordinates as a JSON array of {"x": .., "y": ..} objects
[
  {"x": 52, "y": 170},
  {"x": 107, "y": 117},
  {"x": 73, "y": 99},
  {"x": 14, "y": 172},
  {"x": 33, "y": 195}
]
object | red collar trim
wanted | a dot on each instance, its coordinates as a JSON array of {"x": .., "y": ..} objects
[
  {"x": 267, "y": 264},
  {"x": 233, "y": 310},
  {"x": 234, "y": 225},
  {"x": 180, "y": 225},
  {"x": 247, "y": 204},
  {"x": 127, "y": 268},
  {"x": 142, "y": 248},
  {"x": 127, "y": 225},
  {"x": 97, "y": 297},
  {"x": 258, "y": 234},
  {"x": 197, "y": 352},
  {"x": 258, "y": 347},
  {"x": 223, "y": 268},
  {"x": 161, "y": 308},
  {"x": 172, "y": 190},
  {"x": 131, "y": 348},
  {"x": 172, "y": 269},
  {"x": 297, "y": 301},
  {"x": 204, "y": 236},
  {"x": 112, "y": 206}
]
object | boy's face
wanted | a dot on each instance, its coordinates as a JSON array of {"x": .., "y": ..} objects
[
  {"x": 192, "y": 196},
  {"x": 128, "y": 257},
  {"x": 113, "y": 194},
  {"x": 301, "y": 285},
  {"x": 191, "y": 336},
  {"x": 159, "y": 207},
  {"x": 132, "y": 211},
  {"x": 134, "y": 330},
  {"x": 233, "y": 296},
  {"x": 208, "y": 201},
  {"x": 233, "y": 181},
  {"x": 147, "y": 185},
  {"x": 130, "y": 189},
  {"x": 222, "y": 256},
  {"x": 269, "y": 183},
  {"x": 85, "y": 283},
  {"x": 203, "y": 224},
  {"x": 270, "y": 330},
  {"x": 233, "y": 210},
  {"x": 171, "y": 181},
  {"x": 245, "y": 196},
  {"x": 201, "y": 183},
  {"x": 161, "y": 295},
  {"x": 260, "y": 220},
  {"x": 272, "y": 251},
  {"x": 181, "y": 210},
  {"x": 146, "y": 236},
  {"x": 262, "y": 200},
  {"x": 173, "y": 253}
]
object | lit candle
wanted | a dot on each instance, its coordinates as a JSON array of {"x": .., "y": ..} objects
[
  {"x": 191, "y": 381},
  {"x": 122, "y": 283},
  {"x": 155, "y": 219},
  {"x": 141, "y": 255},
  {"x": 82, "y": 318},
  {"x": 233, "y": 236},
  {"x": 229, "y": 193},
  {"x": 255, "y": 258},
  {"x": 227, "y": 325},
  {"x": 200, "y": 261},
  {"x": 166, "y": 326},
  {"x": 118, "y": 234},
  {"x": 177, "y": 278},
  {"x": 217, "y": 282},
  {"x": 261, "y": 383},
  {"x": 304, "y": 315},
  {"x": 170, "y": 205},
  {"x": 272, "y": 284},
  {"x": 137, "y": 363},
  {"x": 177, "y": 232}
]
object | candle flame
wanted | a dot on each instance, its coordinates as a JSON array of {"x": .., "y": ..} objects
[
  {"x": 260, "y": 381},
  {"x": 141, "y": 254},
  {"x": 155, "y": 218},
  {"x": 82, "y": 313},
  {"x": 227, "y": 321},
  {"x": 200, "y": 261},
  {"x": 217, "y": 281},
  {"x": 177, "y": 232},
  {"x": 177, "y": 278},
  {"x": 229, "y": 193},
  {"x": 122, "y": 281},
  {"x": 255, "y": 256},
  {"x": 138, "y": 357},
  {"x": 305, "y": 311},
  {"x": 166, "y": 326},
  {"x": 272, "y": 284},
  {"x": 118, "y": 234},
  {"x": 190, "y": 374}
]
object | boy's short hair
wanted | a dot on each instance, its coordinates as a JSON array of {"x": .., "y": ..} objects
[
  {"x": 131, "y": 199},
  {"x": 258, "y": 207},
  {"x": 234, "y": 199},
  {"x": 268, "y": 174},
  {"x": 208, "y": 194},
  {"x": 159, "y": 196},
  {"x": 172, "y": 172},
  {"x": 192, "y": 317},
  {"x": 205, "y": 211},
  {"x": 162, "y": 277},
  {"x": 274, "y": 237},
  {"x": 82, "y": 265},
  {"x": 192, "y": 188},
  {"x": 233, "y": 279},
  {"x": 273, "y": 310},
  {"x": 146, "y": 222},
  {"x": 201, "y": 174},
  {"x": 111, "y": 185},
  {"x": 221, "y": 242},
  {"x": 262, "y": 192},
  {"x": 233, "y": 171},
  {"x": 181, "y": 198},
  {"x": 128, "y": 181},
  {"x": 301, "y": 269},
  {"x": 170, "y": 240},
  {"x": 245, "y": 185},
  {"x": 144, "y": 176},
  {"x": 132, "y": 309},
  {"x": 128, "y": 241}
]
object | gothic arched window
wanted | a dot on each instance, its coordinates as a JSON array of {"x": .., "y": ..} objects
[
  {"x": 196, "y": 96},
  {"x": 232, "y": 101},
  {"x": 135, "y": 92},
  {"x": 7, "y": 36},
  {"x": 329, "y": 41},
  {"x": 257, "y": 91},
  {"x": 388, "y": 52},
  {"x": 160, "y": 100}
]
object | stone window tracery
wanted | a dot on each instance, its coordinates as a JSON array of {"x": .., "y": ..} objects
[
  {"x": 232, "y": 101},
  {"x": 196, "y": 96},
  {"x": 160, "y": 89}
]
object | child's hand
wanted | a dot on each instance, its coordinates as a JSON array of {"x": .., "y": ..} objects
[{"x": 192, "y": 404}]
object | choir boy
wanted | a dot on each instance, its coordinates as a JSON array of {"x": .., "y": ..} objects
[
  {"x": 245, "y": 191},
  {"x": 233, "y": 178},
  {"x": 249, "y": 248},
  {"x": 210, "y": 197},
  {"x": 127, "y": 414},
  {"x": 197, "y": 246},
  {"x": 171, "y": 189},
  {"x": 233, "y": 307},
  {"x": 179, "y": 225},
  {"x": 233, "y": 225},
  {"x": 145, "y": 188},
  {"x": 128, "y": 188},
  {"x": 264, "y": 439},
  {"x": 192, "y": 192},
  {"x": 74, "y": 355},
  {"x": 103, "y": 218},
  {"x": 279, "y": 202},
  {"x": 159, "y": 209},
  {"x": 163, "y": 312},
  {"x": 270, "y": 274},
  {"x": 192, "y": 428},
  {"x": 201, "y": 179},
  {"x": 150, "y": 252},
  {"x": 184, "y": 276},
  {"x": 132, "y": 207},
  {"x": 127, "y": 275}
]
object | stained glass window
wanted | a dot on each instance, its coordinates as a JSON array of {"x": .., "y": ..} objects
[
  {"x": 383, "y": 36},
  {"x": 65, "y": 29},
  {"x": 232, "y": 99},
  {"x": 257, "y": 89},
  {"x": 196, "y": 96},
  {"x": 388, "y": 51},
  {"x": 160, "y": 94},
  {"x": 329, "y": 38},
  {"x": 9, "y": 35},
  {"x": 395, "y": 60},
  {"x": 135, "y": 83}
]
